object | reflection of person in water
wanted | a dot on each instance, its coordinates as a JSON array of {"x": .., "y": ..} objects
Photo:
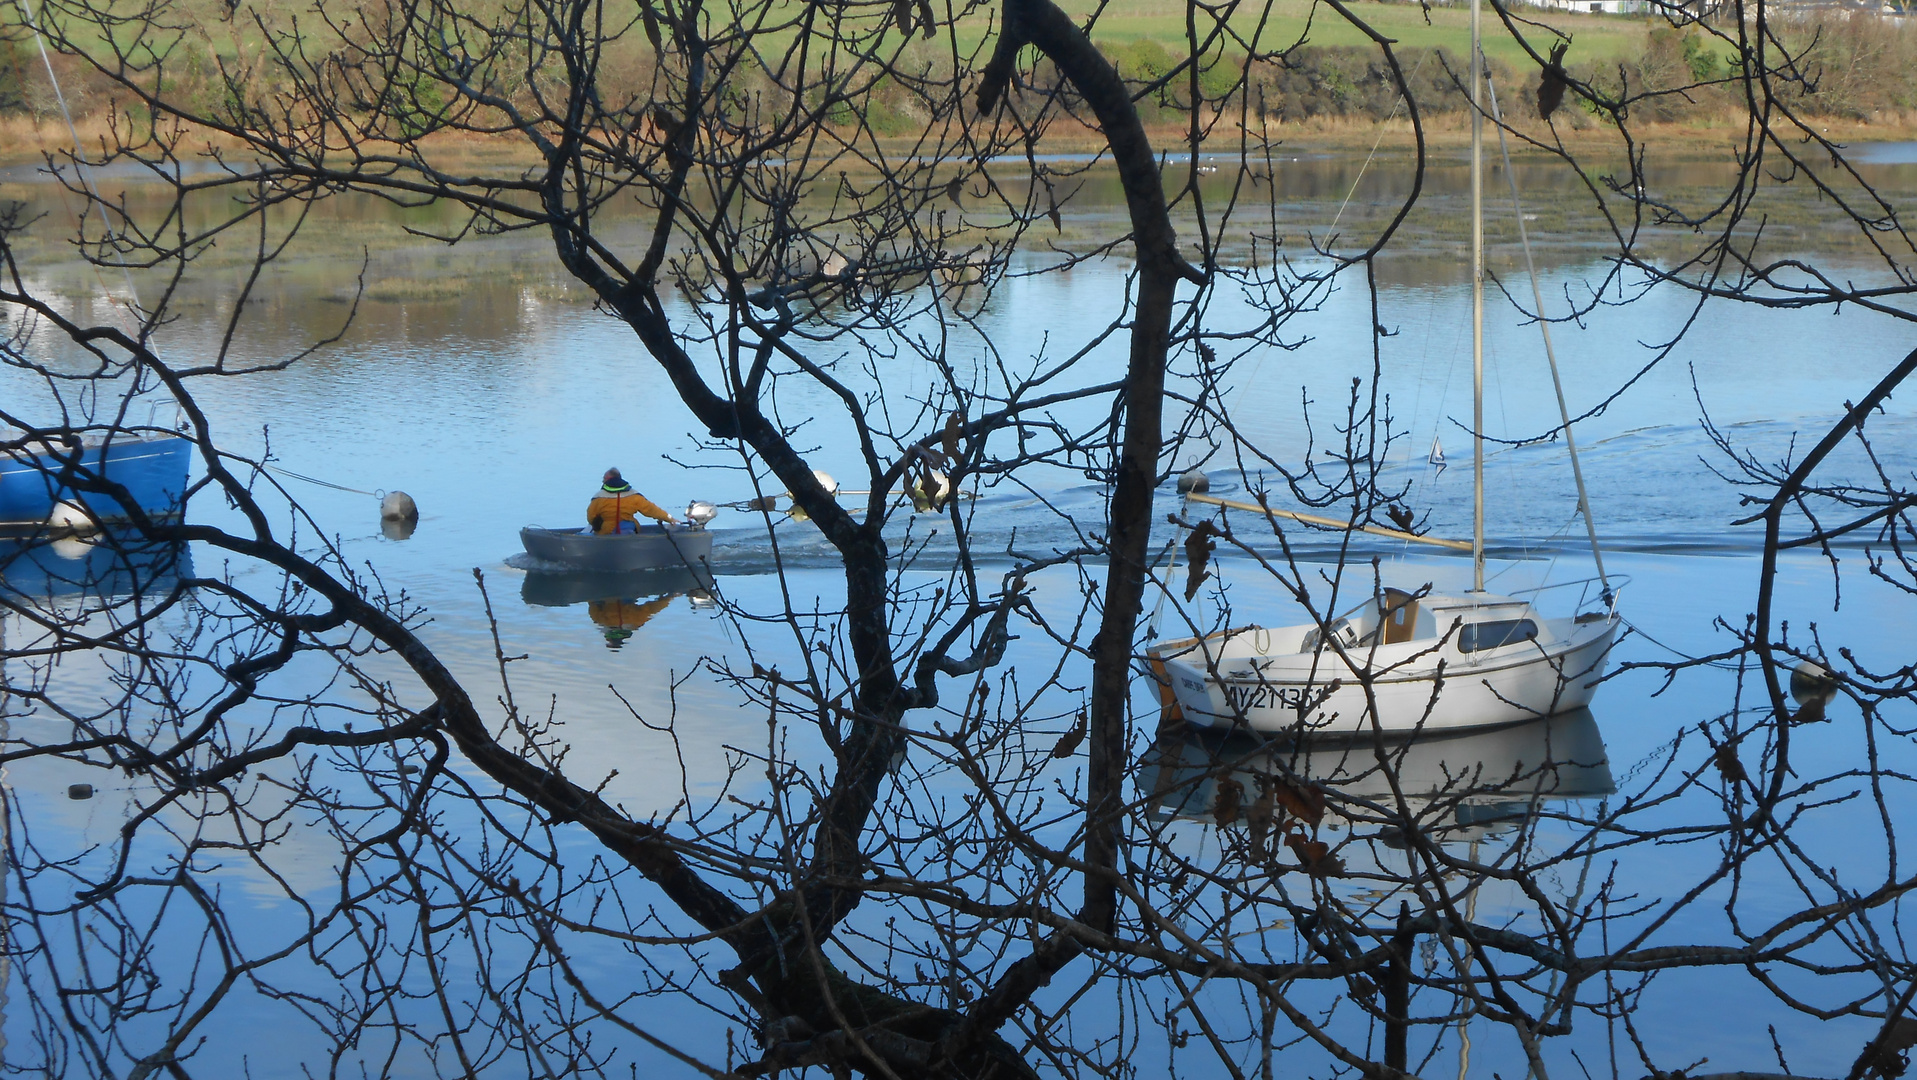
[{"x": 618, "y": 617}]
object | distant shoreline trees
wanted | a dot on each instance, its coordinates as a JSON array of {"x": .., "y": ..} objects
[{"x": 1862, "y": 68}]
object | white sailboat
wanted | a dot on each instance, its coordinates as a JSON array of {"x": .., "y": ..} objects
[{"x": 1408, "y": 662}]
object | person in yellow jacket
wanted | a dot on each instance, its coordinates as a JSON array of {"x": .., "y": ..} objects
[{"x": 614, "y": 507}]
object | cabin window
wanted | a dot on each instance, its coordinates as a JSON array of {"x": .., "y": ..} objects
[{"x": 1477, "y": 637}]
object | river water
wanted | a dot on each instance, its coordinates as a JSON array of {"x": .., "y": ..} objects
[{"x": 477, "y": 382}]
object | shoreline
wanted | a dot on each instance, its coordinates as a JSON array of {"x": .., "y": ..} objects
[{"x": 26, "y": 142}]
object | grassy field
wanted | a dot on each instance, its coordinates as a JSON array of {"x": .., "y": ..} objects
[
  {"x": 1598, "y": 42},
  {"x": 1595, "y": 37},
  {"x": 1286, "y": 22}
]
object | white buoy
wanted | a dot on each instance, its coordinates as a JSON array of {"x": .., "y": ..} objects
[
  {"x": 398, "y": 506},
  {"x": 70, "y": 518},
  {"x": 825, "y": 480},
  {"x": 1193, "y": 481},
  {"x": 701, "y": 512}
]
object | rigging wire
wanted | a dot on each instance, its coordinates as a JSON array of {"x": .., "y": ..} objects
[
  {"x": 127, "y": 308},
  {"x": 1544, "y": 327}
]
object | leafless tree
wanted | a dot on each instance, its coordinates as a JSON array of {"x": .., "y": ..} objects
[{"x": 917, "y": 874}]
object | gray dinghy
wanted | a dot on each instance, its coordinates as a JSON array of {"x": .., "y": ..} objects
[{"x": 672, "y": 547}]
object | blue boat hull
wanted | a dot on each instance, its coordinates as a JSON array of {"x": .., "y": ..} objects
[{"x": 153, "y": 469}]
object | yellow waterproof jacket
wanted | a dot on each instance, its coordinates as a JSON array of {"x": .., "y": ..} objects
[
  {"x": 610, "y": 506},
  {"x": 614, "y": 613}
]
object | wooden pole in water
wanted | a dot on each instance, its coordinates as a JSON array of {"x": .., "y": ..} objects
[{"x": 1333, "y": 523}]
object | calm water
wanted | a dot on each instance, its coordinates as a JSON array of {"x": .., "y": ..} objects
[{"x": 498, "y": 401}]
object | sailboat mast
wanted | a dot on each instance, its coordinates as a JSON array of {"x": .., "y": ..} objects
[{"x": 1477, "y": 306}]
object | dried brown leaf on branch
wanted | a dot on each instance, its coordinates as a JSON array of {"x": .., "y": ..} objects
[
  {"x": 1068, "y": 742},
  {"x": 1225, "y": 804},
  {"x": 1403, "y": 518},
  {"x": 1198, "y": 548},
  {"x": 1884, "y": 1058},
  {"x": 1552, "y": 84},
  {"x": 1727, "y": 763},
  {"x": 1259, "y": 817},
  {"x": 651, "y": 21},
  {"x": 1314, "y": 855},
  {"x": 954, "y": 430},
  {"x": 1307, "y": 804}
]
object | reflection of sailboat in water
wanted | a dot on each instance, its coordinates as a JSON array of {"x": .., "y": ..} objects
[
  {"x": 619, "y": 604},
  {"x": 1462, "y": 787}
]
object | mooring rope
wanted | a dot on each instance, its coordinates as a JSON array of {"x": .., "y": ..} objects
[
  {"x": 322, "y": 483},
  {"x": 1721, "y": 665}
]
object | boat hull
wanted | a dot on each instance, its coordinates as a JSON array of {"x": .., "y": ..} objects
[
  {"x": 153, "y": 470},
  {"x": 621, "y": 553},
  {"x": 1509, "y": 685}
]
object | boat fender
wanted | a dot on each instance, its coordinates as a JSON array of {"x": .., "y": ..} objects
[
  {"x": 1193, "y": 482},
  {"x": 73, "y": 547},
  {"x": 71, "y": 518},
  {"x": 931, "y": 491},
  {"x": 398, "y": 506}
]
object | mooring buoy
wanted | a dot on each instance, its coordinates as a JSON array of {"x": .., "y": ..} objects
[
  {"x": 398, "y": 506},
  {"x": 1193, "y": 481},
  {"x": 1812, "y": 684}
]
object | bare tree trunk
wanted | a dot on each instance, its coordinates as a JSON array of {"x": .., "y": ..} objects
[{"x": 1160, "y": 267}]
